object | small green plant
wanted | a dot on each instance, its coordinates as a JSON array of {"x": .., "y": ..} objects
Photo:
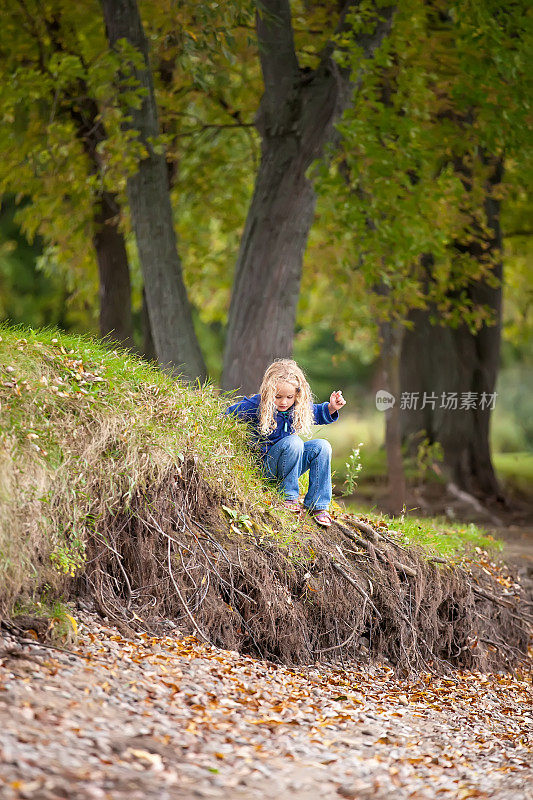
[
  {"x": 353, "y": 468},
  {"x": 239, "y": 521},
  {"x": 428, "y": 455},
  {"x": 56, "y": 616},
  {"x": 69, "y": 556}
]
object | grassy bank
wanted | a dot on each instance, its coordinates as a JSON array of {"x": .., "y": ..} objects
[
  {"x": 120, "y": 483},
  {"x": 82, "y": 429}
]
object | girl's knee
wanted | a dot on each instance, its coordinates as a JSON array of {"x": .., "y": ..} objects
[
  {"x": 322, "y": 446},
  {"x": 292, "y": 443}
]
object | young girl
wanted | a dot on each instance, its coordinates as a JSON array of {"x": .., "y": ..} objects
[{"x": 284, "y": 408}]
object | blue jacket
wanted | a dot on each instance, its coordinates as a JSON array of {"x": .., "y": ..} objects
[{"x": 247, "y": 410}]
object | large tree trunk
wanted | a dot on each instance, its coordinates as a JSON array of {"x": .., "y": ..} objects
[
  {"x": 391, "y": 346},
  {"x": 439, "y": 361},
  {"x": 267, "y": 280},
  {"x": 114, "y": 274},
  {"x": 296, "y": 119},
  {"x": 170, "y": 315}
]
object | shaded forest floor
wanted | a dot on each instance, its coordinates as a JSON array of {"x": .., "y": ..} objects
[{"x": 165, "y": 717}]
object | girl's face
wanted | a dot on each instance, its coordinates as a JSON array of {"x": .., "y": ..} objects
[{"x": 285, "y": 395}]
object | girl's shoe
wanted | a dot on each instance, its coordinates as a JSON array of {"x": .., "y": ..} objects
[
  {"x": 292, "y": 505},
  {"x": 322, "y": 517}
]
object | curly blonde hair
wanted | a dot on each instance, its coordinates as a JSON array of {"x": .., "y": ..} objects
[{"x": 284, "y": 369}]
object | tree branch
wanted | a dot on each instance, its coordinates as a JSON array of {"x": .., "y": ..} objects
[
  {"x": 276, "y": 49},
  {"x": 214, "y": 126}
]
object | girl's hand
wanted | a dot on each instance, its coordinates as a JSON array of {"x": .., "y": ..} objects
[{"x": 336, "y": 401}]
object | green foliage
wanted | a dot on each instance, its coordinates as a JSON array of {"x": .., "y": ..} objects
[
  {"x": 409, "y": 120},
  {"x": 68, "y": 557},
  {"x": 239, "y": 522},
  {"x": 54, "y": 68},
  {"x": 411, "y": 176},
  {"x": 329, "y": 365},
  {"x": 353, "y": 468},
  {"x": 428, "y": 454},
  {"x": 27, "y": 295},
  {"x": 63, "y": 141}
]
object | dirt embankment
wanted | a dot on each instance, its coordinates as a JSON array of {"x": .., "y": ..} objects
[
  {"x": 349, "y": 592},
  {"x": 106, "y": 470}
]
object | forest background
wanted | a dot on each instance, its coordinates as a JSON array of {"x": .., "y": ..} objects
[{"x": 420, "y": 169}]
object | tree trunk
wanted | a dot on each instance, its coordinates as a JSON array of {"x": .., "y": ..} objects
[
  {"x": 113, "y": 270},
  {"x": 391, "y": 346},
  {"x": 267, "y": 280},
  {"x": 170, "y": 315},
  {"x": 148, "y": 349},
  {"x": 296, "y": 119},
  {"x": 439, "y": 361}
]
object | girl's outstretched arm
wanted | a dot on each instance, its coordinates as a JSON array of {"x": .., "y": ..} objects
[
  {"x": 324, "y": 413},
  {"x": 336, "y": 402}
]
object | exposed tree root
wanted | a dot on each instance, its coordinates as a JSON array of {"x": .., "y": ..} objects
[{"x": 350, "y": 592}]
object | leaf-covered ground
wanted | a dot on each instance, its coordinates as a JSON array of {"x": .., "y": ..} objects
[{"x": 168, "y": 717}]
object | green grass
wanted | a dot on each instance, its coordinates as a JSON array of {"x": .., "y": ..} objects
[
  {"x": 437, "y": 536},
  {"x": 515, "y": 470},
  {"x": 441, "y": 537}
]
